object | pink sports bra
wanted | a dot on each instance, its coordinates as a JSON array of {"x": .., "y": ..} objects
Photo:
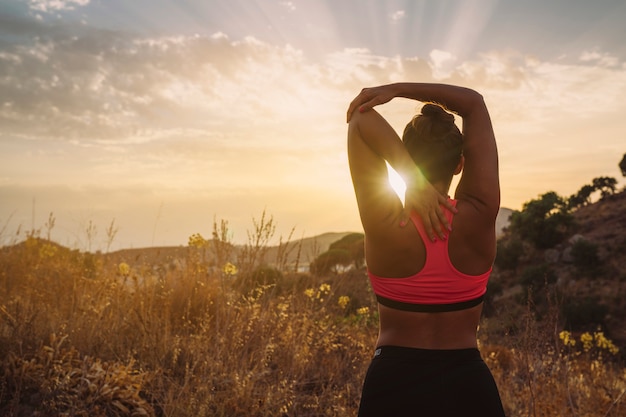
[{"x": 438, "y": 287}]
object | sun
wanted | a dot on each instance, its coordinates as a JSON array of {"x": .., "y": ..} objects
[{"x": 397, "y": 183}]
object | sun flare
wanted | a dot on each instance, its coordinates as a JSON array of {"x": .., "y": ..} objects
[{"x": 397, "y": 183}]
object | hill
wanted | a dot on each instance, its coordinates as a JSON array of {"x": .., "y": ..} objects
[
  {"x": 306, "y": 249},
  {"x": 584, "y": 275},
  {"x": 80, "y": 332},
  {"x": 303, "y": 251}
]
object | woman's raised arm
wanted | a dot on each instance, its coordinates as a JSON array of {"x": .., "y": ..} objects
[
  {"x": 371, "y": 141},
  {"x": 479, "y": 182}
]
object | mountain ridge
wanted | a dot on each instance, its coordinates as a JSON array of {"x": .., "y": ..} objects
[{"x": 311, "y": 247}]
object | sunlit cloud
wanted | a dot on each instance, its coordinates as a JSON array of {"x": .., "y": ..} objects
[
  {"x": 602, "y": 59},
  {"x": 224, "y": 120},
  {"x": 289, "y": 5},
  {"x": 397, "y": 15},
  {"x": 442, "y": 62},
  {"x": 115, "y": 90},
  {"x": 47, "y": 6}
]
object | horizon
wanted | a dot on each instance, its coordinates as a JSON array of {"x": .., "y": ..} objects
[
  {"x": 274, "y": 242},
  {"x": 165, "y": 116}
]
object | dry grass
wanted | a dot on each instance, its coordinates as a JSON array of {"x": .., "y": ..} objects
[{"x": 82, "y": 336}]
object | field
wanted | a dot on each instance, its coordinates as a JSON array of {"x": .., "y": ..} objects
[{"x": 215, "y": 332}]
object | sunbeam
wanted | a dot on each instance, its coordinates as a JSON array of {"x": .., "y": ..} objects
[{"x": 210, "y": 102}]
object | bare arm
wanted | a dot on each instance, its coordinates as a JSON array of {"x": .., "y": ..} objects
[
  {"x": 460, "y": 100},
  {"x": 479, "y": 183},
  {"x": 371, "y": 142}
]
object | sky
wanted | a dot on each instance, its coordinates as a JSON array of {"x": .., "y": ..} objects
[{"x": 161, "y": 117}]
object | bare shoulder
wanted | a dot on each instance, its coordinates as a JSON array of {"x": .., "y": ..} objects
[
  {"x": 475, "y": 219},
  {"x": 472, "y": 246},
  {"x": 395, "y": 252}
]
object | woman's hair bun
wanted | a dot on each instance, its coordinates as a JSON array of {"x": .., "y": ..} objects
[{"x": 437, "y": 112}]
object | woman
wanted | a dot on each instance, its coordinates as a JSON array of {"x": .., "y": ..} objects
[{"x": 429, "y": 274}]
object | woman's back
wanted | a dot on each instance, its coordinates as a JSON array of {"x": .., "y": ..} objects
[
  {"x": 470, "y": 252},
  {"x": 396, "y": 252},
  {"x": 401, "y": 252},
  {"x": 429, "y": 291}
]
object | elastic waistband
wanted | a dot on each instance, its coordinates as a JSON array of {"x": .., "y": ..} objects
[
  {"x": 428, "y": 354},
  {"x": 429, "y": 308}
]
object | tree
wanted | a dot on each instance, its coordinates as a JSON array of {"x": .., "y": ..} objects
[
  {"x": 509, "y": 252},
  {"x": 347, "y": 251},
  {"x": 622, "y": 165},
  {"x": 582, "y": 198},
  {"x": 329, "y": 261},
  {"x": 545, "y": 221},
  {"x": 354, "y": 244},
  {"x": 606, "y": 185},
  {"x": 586, "y": 258}
]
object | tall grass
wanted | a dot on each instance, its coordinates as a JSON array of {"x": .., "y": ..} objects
[{"x": 221, "y": 333}]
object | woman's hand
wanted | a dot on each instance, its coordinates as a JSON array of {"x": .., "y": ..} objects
[
  {"x": 426, "y": 201},
  {"x": 370, "y": 97}
]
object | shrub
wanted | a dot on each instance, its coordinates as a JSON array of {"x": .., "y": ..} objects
[
  {"x": 328, "y": 261},
  {"x": 259, "y": 277},
  {"x": 354, "y": 243},
  {"x": 537, "y": 276},
  {"x": 585, "y": 257},
  {"x": 583, "y": 312},
  {"x": 508, "y": 253},
  {"x": 494, "y": 289},
  {"x": 57, "y": 380},
  {"x": 545, "y": 222}
]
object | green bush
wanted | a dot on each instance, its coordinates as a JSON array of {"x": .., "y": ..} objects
[
  {"x": 260, "y": 276},
  {"x": 349, "y": 250},
  {"x": 585, "y": 257},
  {"x": 508, "y": 253},
  {"x": 538, "y": 276},
  {"x": 580, "y": 313},
  {"x": 545, "y": 222},
  {"x": 328, "y": 261},
  {"x": 494, "y": 289}
]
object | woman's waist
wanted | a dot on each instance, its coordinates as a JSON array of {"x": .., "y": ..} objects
[
  {"x": 427, "y": 355},
  {"x": 445, "y": 330}
]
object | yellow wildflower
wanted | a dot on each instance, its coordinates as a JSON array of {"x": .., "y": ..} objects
[
  {"x": 123, "y": 268},
  {"x": 567, "y": 339},
  {"x": 309, "y": 292},
  {"x": 343, "y": 301},
  {"x": 47, "y": 251},
  {"x": 229, "y": 269},
  {"x": 363, "y": 311},
  {"x": 324, "y": 289},
  {"x": 587, "y": 341},
  {"x": 196, "y": 240},
  {"x": 283, "y": 310},
  {"x": 603, "y": 343}
]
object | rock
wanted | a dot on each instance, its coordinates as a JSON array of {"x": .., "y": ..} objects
[
  {"x": 567, "y": 255},
  {"x": 551, "y": 256},
  {"x": 576, "y": 238}
]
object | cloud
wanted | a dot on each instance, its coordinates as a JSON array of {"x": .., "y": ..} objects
[
  {"x": 602, "y": 59},
  {"x": 49, "y": 6},
  {"x": 111, "y": 86},
  {"x": 397, "y": 15},
  {"x": 109, "y": 89},
  {"x": 289, "y": 5},
  {"x": 442, "y": 62},
  {"x": 235, "y": 116}
]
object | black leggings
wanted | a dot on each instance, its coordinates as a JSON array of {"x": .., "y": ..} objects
[{"x": 421, "y": 382}]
